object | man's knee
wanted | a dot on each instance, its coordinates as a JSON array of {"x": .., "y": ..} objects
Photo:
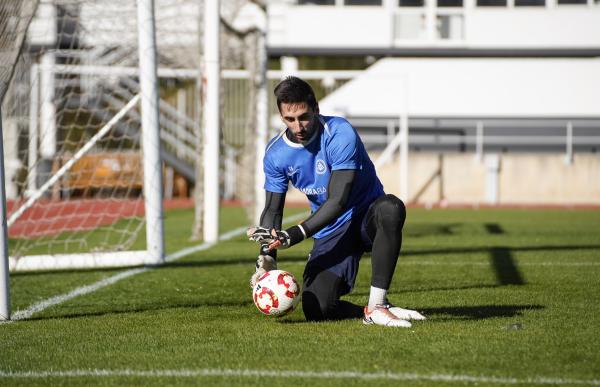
[
  {"x": 391, "y": 211},
  {"x": 315, "y": 309},
  {"x": 321, "y": 294}
]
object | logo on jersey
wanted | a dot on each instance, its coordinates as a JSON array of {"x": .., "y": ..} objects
[
  {"x": 313, "y": 191},
  {"x": 320, "y": 167},
  {"x": 291, "y": 171}
]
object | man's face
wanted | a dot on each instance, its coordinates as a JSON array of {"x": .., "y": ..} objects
[{"x": 300, "y": 119}]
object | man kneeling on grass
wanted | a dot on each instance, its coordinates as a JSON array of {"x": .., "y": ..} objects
[{"x": 324, "y": 158}]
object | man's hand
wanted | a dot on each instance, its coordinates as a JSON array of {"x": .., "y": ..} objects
[
  {"x": 264, "y": 263},
  {"x": 272, "y": 239},
  {"x": 279, "y": 240},
  {"x": 260, "y": 235}
]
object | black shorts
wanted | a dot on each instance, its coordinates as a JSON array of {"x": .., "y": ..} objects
[{"x": 340, "y": 252}]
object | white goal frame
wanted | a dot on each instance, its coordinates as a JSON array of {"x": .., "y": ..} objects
[{"x": 152, "y": 180}]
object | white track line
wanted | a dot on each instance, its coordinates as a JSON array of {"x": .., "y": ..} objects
[
  {"x": 230, "y": 372},
  {"x": 39, "y": 306}
]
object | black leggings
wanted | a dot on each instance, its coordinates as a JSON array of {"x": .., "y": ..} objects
[{"x": 322, "y": 289}]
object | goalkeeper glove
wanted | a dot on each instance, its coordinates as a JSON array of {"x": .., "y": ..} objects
[
  {"x": 279, "y": 240},
  {"x": 260, "y": 235},
  {"x": 276, "y": 239},
  {"x": 264, "y": 263}
]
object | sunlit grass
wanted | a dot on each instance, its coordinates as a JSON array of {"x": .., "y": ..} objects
[{"x": 507, "y": 293}]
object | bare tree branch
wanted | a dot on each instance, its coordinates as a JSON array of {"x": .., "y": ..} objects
[
  {"x": 261, "y": 4},
  {"x": 239, "y": 33}
]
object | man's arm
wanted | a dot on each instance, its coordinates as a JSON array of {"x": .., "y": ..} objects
[
  {"x": 340, "y": 185},
  {"x": 272, "y": 215},
  {"x": 270, "y": 219},
  {"x": 273, "y": 211}
]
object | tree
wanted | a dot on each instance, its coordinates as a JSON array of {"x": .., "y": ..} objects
[
  {"x": 250, "y": 26},
  {"x": 244, "y": 40}
]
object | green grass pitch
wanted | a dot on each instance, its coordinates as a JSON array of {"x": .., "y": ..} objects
[{"x": 512, "y": 298}]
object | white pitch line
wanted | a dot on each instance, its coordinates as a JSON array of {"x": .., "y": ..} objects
[
  {"x": 232, "y": 372},
  {"x": 467, "y": 263},
  {"x": 226, "y": 236},
  {"x": 39, "y": 306}
]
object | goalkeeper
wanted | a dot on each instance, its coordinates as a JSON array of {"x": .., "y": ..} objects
[{"x": 325, "y": 159}]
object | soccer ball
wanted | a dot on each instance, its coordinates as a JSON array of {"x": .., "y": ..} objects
[{"x": 276, "y": 293}]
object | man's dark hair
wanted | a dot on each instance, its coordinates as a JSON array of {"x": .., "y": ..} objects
[{"x": 295, "y": 90}]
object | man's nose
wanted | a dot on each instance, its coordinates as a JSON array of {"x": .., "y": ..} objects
[{"x": 296, "y": 124}]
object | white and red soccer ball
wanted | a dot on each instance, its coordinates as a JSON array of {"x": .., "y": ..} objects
[{"x": 276, "y": 293}]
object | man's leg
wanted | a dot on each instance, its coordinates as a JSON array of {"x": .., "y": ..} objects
[
  {"x": 330, "y": 273},
  {"x": 321, "y": 297},
  {"x": 384, "y": 223}
]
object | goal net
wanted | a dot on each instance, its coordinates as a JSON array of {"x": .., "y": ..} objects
[{"x": 72, "y": 117}]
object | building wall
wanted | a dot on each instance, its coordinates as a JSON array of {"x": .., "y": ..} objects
[
  {"x": 560, "y": 27},
  {"x": 548, "y": 179},
  {"x": 529, "y": 179},
  {"x": 522, "y": 179},
  {"x": 554, "y": 26}
]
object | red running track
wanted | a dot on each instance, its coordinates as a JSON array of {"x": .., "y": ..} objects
[{"x": 47, "y": 218}]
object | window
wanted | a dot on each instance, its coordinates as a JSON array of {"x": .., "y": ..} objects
[
  {"x": 449, "y": 3},
  {"x": 362, "y": 2},
  {"x": 572, "y": 1},
  {"x": 411, "y": 3},
  {"x": 491, "y": 3},
  {"x": 316, "y": 2},
  {"x": 530, "y": 3},
  {"x": 450, "y": 27},
  {"x": 346, "y": 2}
]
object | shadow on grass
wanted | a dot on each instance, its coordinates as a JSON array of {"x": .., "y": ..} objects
[
  {"x": 427, "y": 230},
  {"x": 501, "y": 258},
  {"x": 191, "y": 262},
  {"x": 225, "y": 262},
  {"x": 507, "y": 271},
  {"x": 473, "y": 250},
  {"x": 107, "y": 270},
  {"x": 142, "y": 309},
  {"x": 500, "y": 254},
  {"x": 432, "y": 289},
  {"x": 493, "y": 228},
  {"x": 478, "y": 312}
]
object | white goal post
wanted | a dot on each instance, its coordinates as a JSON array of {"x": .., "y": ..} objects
[
  {"x": 147, "y": 102},
  {"x": 83, "y": 169},
  {"x": 4, "y": 280}
]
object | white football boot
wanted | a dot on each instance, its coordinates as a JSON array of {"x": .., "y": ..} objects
[
  {"x": 381, "y": 315},
  {"x": 404, "y": 314}
]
